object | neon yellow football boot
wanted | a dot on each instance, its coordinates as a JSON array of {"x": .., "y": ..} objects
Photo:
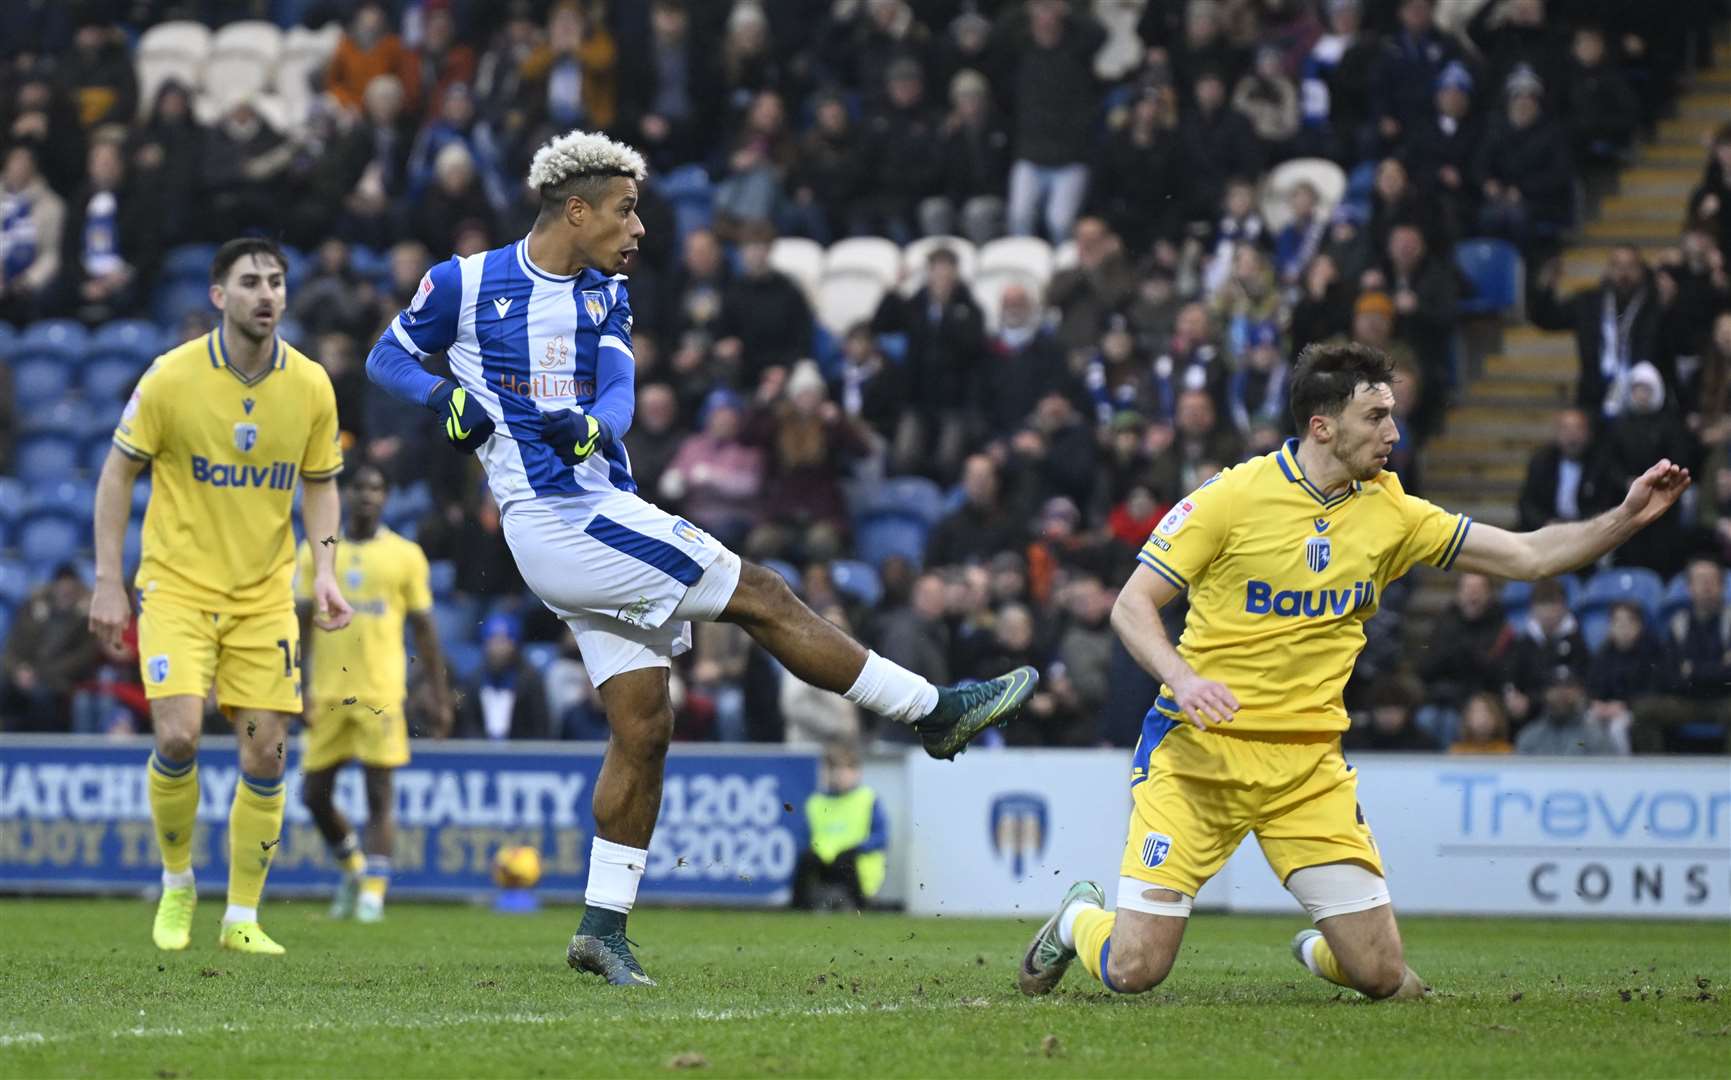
[
  {"x": 248, "y": 937},
  {"x": 173, "y": 928}
]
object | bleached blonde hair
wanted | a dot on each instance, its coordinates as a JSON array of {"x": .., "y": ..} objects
[{"x": 578, "y": 155}]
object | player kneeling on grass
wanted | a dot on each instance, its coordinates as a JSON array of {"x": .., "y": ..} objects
[
  {"x": 226, "y": 422},
  {"x": 1284, "y": 557},
  {"x": 543, "y": 388},
  {"x": 356, "y": 685}
]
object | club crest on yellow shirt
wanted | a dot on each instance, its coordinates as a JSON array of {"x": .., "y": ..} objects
[
  {"x": 245, "y": 436},
  {"x": 1317, "y": 553}
]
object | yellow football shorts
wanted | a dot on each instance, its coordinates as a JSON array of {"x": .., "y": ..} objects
[
  {"x": 1195, "y": 794},
  {"x": 253, "y": 659},
  {"x": 337, "y": 733}
]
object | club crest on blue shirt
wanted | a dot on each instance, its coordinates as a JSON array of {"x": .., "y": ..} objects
[
  {"x": 596, "y": 305},
  {"x": 245, "y": 436},
  {"x": 1317, "y": 552}
]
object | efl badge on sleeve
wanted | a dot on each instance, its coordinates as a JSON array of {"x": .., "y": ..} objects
[
  {"x": 1317, "y": 552},
  {"x": 245, "y": 436},
  {"x": 596, "y": 305}
]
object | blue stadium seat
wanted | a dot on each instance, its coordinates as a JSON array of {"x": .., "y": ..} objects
[
  {"x": 405, "y": 506},
  {"x": 8, "y": 339},
  {"x": 858, "y": 580},
  {"x": 1677, "y": 596},
  {"x": 463, "y": 658},
  {"x": 74, "y": 498},
  {"x": 540, "y": 654},
  {"x": 300, "y": 264},
  {"x": 5, "y": 620},
  {"x": 47, "y": 457},
  {"x": 1595, "y": 628},
  {"x": 368, "y": 263},
  {"x": 61, "y": 337},
  {"x": 188, "y": 263},
  {"x": 96, "y": 450},
  {"x": 880, "y": 536},
  {"x": 291, "y": 331},
  {"x": 108, "y": 378},
  {"x": 443, "y": 575},
  {"x": 40, "y": 378},
  {"x": 1494, "y": 268},
  {"x": 1518, "y": 595},
  {"x": 689, "y": 190},
  {"x": 15, "y": 582},
  {"x": 141, "y": 495},
  {"x": 69, "y": 417},
  {"x": 789, "y": 573},
  {"x": 174, "y": 300},
  {"x": 126, "y": 337},
  {"x": 132, "y": 547},
  {"x": 48, "y": 537},
  {"x": 458, "y": 619},
  {"x": 910, "y": 496},
  {"x": 13, "y": 498},
  {"x": 1621, "y": 583}
]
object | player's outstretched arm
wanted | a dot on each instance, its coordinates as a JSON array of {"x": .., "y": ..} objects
[
  {"x": 110, "y": 610},
  {"x": 321, "y": 513},
  {"x": 1136, "y": 618},
  {"x": 426, "y": 634},
  {"x": 1557, "y": 549}
]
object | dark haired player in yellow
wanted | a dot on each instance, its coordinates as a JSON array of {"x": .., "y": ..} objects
[
  {"x": 1285, "y": 557},
  {"x": 228, "y": 423},
  {"x": 356, "y": 684}
]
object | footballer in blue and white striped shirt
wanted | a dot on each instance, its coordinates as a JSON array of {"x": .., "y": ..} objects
[{"x": 538, "y": 336}]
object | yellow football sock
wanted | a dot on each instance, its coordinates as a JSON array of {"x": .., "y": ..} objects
[
  {"x": 1327, "y": 965},
  {"x": 354, "y": 863},
  {"x": 254, "y": 828},
  {"x": 378, "y": 876},
  {"x": 173, "y": 809},
  {"x": 1093, "y": 934}
]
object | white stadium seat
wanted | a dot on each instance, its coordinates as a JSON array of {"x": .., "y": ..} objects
[
  {"x": 915, "y": 254},
  {"x": 1123, "y": 51},
  {"x": 1324, "y": 175},
  {"x": 232, "y": 77},
  {"x": 1027, "y": 254},
  {"x": 848, "y": 297},
  {"x": 178, "y": 37},
  {"x": 249, "y": 36},
  {"x": 801, "y": 260},
  {"x": 989, "y": 291},
  {"x": 865, "y": 255}
]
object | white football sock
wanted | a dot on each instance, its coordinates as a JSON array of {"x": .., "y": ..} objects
[
  {"x": 891, "y": 690},
  {"x": 236, "y": 913},
  {"x": 1067, "y": 924},
  {"x": 177, "y": 879},
  {"x": 1307, "y": 952},
  {"x": 614, "y": 872}
]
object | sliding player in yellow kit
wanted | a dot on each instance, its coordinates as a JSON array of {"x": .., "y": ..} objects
[
  {"x": 227, "y": 422},
  {"x": 356, "y": 681},
  {"x": 1285, "y": 557}
]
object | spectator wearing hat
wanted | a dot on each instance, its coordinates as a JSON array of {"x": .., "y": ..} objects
[
  {"x": 1045, "y": 56},
  {"x": 946, "y": 339},
  {"x": 1643, "y": 428},
  {"x": 1256, "y": 392},
  {"x": 903, "y": 157},
  {"x": 506, "y": 699},
  {"x": 1524, "y": 169},
  {"x": 1334, "y": 84},
  {"x": 982, "y": 526},
  {"x": 976, "y": 166},
  {"x": 1391, "y": 726},
  {"x": 1597, "y": 102},
  {"x": 1563, "y": 727},
  {"x": 1406, "y": 70},
  {"x": 1139, "y": 185},
  {"x": 1373, "y": 321},
  {"x": 1440, "y": 155},
  {"x": 966, "y": 46},
  {"x": 1219, "y": 143},
  {"x": 1697, "y": 669},
  {"x": 1548, "y": 638},
  {"x": 1268, "y": 98},
  {"x": 716, "y": 478}
]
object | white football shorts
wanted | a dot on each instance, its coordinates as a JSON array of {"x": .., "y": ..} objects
[{"x": 626, "y": 576}]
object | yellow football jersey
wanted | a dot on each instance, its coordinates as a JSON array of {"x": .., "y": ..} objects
[
  {"x": 225, "y": 454},
  {"x": 383, "y": 579},
  {"x": 1281, "y": 582}
]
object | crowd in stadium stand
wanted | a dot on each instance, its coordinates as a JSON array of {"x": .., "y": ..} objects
[{"x": 1008, "y": 451}]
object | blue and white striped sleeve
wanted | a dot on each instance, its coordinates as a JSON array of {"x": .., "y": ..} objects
[
  {"x": 615, "y": 368},
  {"x": 427, "y": 326}
]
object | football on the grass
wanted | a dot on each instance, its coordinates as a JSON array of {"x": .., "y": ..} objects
[{"x": 517, "y": 867}]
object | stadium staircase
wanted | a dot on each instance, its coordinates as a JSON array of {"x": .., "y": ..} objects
[{"x": 1520, "y": 375}]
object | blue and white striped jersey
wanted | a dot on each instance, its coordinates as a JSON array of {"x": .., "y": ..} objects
[{"x": 524, "y": 342}]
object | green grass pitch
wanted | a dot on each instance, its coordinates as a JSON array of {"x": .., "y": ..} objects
[{"x": 459, "y": 991}]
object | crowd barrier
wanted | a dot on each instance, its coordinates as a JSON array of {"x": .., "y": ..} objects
[{"x": 992, "y": 833}]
